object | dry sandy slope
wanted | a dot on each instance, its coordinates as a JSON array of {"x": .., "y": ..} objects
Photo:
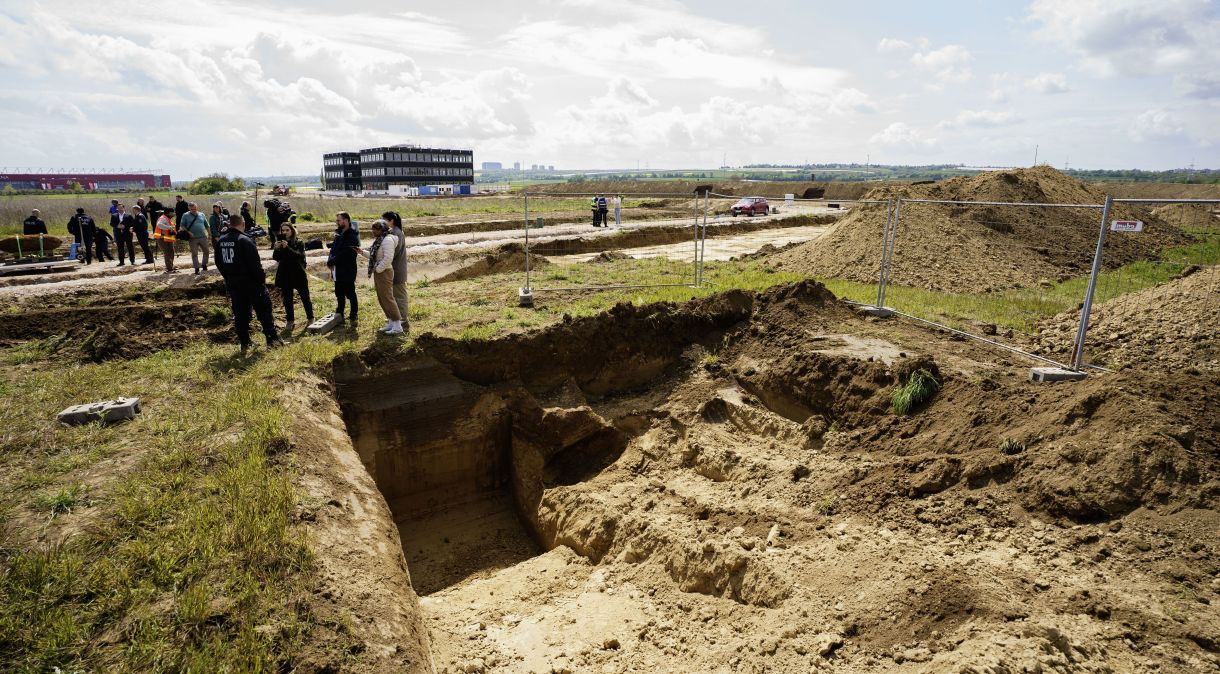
[
  {"x": 720, "y": 486},
  {"x": 970, "y": 249},
  {"x": 1175, "y": 325}
]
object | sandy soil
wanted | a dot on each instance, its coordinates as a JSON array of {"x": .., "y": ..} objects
[{"x": 722, "y": 487}]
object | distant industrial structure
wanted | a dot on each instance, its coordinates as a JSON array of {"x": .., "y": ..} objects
[
  {"x": 139, "y": 179},
  {"x": 493, "y": 166},
  {"x": 400, "y": 169}
]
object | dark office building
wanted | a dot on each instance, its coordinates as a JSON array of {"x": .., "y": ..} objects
[
  {"x": 379, "y": 169},
  {"x": 383, "y": 167},
  {"x": 341, "y": 171}
]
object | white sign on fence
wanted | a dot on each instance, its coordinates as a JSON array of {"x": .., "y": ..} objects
[
  {"x": 788, "y": 199},
  {"x": 1126, "y": 225}
]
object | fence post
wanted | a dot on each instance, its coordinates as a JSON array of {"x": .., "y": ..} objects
[
  {"x": 1078, "y": 355},
  {"x": 703, "y": 238},
  {"x": 885, "y": 242},
  {"x": 889, "y": 256},
  {"x": 527, "y": 240}
]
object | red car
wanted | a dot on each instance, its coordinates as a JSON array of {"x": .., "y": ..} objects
[{"x": 751, "y": 206}]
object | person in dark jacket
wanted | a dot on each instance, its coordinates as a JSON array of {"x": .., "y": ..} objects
[
  {"x": 246, "y": 217},
  {"x": 82, "y": 228},
  {"x": 239, "y": 264},
  {"x": 216, "y": 221},
  {"x": 139, "y": 226},
  {"x": 103, "y": 239},
  {"x": 121, "y": 224},
  {"x": 290, "y": 275},
  {"x": 153, "y": 210},
  {"x": 180, "y": 209},
  {"x": 34, "y": 224},
  {"x": 342, "y": 263}
]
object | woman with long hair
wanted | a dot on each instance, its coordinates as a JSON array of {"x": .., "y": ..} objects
[
  {"x": 290, "y": 275},
  {"x": 381, "y": 269}
]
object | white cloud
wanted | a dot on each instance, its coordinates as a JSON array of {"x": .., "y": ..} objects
[
  {"x": 947, "y": 64},
  {"x": 1154, "y": 124},
  {"x": 888, "y": 44},
  {"x": 1138, "y": 38},
  {"x": 979, "y": 119},
  {"x": 902, "y": 136},
  {"x": 1048, "y": 83}
]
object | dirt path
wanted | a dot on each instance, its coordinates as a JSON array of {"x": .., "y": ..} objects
[
  {"x": 715, "y": 248},
  {"x": 430, "y": 256}
]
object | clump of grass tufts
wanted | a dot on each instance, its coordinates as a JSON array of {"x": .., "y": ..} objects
[
  {"x": 918, "y": 389},
  {"x": 63, "y": 501},
  {"x": 216, "y": 315},
  {"x": 423, "y": 282}
]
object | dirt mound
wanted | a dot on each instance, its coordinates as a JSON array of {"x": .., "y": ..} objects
[
  {"x": 770, "y": 189},
  {"x": 1171, "y": 325},
  {"x": 29, "y": 245},
  {"x": 972, "y": 249},
  {"x": 724, "y": 481},
  {"x": 509, "y": 257},
  {"x": 610, "y": 256}
]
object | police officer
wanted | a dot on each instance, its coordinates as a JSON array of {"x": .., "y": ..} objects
[
  {"x": 603, "y": 210},
  {"x": 33, "y": 225},
  {"x": 82, "y": 228},
  {"x": 239, "y": 264}
]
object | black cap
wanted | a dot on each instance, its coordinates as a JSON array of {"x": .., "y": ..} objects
[{"x": 80, "y": 211}]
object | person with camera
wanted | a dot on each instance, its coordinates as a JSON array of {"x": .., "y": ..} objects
[
  {"x": 342, "y": 263},
  {"x": 239, "y": 264},
  {"x": 290, "y": 275}
]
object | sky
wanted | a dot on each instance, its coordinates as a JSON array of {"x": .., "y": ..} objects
[{"x": 194, "y": 87}]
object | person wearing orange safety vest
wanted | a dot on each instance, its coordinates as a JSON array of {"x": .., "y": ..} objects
[{"x": 165, "y": 235}]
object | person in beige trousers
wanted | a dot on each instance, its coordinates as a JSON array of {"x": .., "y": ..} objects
[{"x": 381, "y": 268}]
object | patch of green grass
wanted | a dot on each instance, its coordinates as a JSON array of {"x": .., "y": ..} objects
[
  {"x": 919, "y": 388},
  {"x": 63, "y": 500},
  {"x": 423, "y": 282}
]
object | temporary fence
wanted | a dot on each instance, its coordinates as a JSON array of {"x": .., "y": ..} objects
[
  {"x": 653, "y": 225},
  {"x": 1011, "y": 285}
]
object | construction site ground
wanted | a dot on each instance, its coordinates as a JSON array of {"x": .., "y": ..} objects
[{"x": 651, "y": 480}]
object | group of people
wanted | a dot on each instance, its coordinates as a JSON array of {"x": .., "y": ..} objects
[
  {"x": 239, "y": 263},
  {"x": 601, "y": 211},
  {"x": 236, "y": 257}
]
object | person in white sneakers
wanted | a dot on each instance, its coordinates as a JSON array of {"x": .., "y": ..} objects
[{"x": 381, "y": 269}]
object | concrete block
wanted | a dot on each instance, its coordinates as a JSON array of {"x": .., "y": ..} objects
[
  {"x": 870, "y": 310},
  {"x": 325, "y": 324},
  {"x": 1049, "y": 374},
  {"x": 107, "y": 412},
  {"x": 525, "y": 297}
]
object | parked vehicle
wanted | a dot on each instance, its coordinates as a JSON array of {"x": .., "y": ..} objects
[{"x": 751, "y": 206}]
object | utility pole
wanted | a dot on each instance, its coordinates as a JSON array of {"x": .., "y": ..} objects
[{"x": 1035, "y": 155}]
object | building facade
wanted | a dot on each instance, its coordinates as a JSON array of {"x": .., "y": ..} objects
[
  {"x": 382, "y": 169},
  {"x": 493, "y": 166},
  {"x": 87, "y": 181},
  {"x": 341, "y": 171}
]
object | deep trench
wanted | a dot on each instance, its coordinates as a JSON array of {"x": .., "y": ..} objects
[{"x": 464, "y": 439}]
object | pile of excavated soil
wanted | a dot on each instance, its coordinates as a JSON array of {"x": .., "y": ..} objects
[
  {"x": 722, "y": 486},
  {"x": 977, "y": 248},
  {"x": 1173, "y": 325},
  {"x": 742, "y": 188},
  {"x": 95, "y": 328},
  {"x": 509, "y": 257}
]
